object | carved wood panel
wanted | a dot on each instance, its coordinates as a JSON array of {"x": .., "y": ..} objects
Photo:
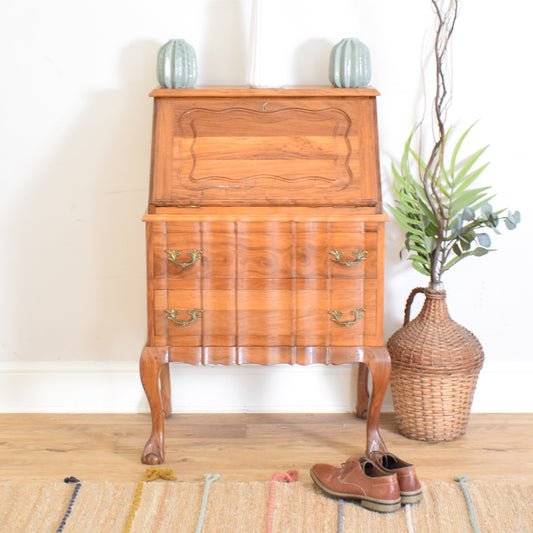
[{"x": 261, "y": 152}]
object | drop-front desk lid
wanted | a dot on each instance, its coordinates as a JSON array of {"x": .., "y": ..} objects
[{"x": 241, "y": 146}]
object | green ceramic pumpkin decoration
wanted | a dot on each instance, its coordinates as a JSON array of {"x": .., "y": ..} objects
[
  {"x": 349, "y": 64},
  {"x": 176, "y": 64}
]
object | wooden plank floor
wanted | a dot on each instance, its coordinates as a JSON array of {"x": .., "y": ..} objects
[{"x": 95, "y": 447}]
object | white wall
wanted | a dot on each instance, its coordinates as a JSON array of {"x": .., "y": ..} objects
[{"x": 75, "y": 121}]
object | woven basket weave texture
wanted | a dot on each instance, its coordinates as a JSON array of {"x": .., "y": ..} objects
[{"x": 435, "y": 367}]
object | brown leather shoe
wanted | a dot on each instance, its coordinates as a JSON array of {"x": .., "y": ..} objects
[
  {"x": 410, "y": 488},
  {"x": 361, "y": 480}
]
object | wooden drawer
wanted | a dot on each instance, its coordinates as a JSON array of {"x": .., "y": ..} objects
[
  {"x": 191, "y": 252},
  {"x": 195, "y": 318},
  {"x": 277, "y": 314}
]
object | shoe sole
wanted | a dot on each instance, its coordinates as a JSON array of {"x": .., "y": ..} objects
[
  {"x": 374, "y": 504},
  {"x": 411, "y": 497}
]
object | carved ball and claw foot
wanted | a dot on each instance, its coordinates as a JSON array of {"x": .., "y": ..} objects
[{"x": 153, "y": 453}]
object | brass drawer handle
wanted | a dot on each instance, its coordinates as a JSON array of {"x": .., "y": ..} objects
[
  {"x": 195, "y": 315},
  {"x": 195, "y": 255},
  {"x": 360, "y": 255},
  {"x": 357, "y": 314}
]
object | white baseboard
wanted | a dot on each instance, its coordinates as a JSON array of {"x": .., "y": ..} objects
[
  {"x": 99, "y": 387},
  {"x": 504, "y": 388}
]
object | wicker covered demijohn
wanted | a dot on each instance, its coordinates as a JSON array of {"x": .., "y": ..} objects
[{"x": 435, "y": 367}]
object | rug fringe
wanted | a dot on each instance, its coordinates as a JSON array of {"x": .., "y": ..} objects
[
  {"x": 208, "y": 478},
  {"x": 285, "y": 477},
  {"x": 151, "y": 474},
  {"x": 71, "y": 502},
  {"x": 471, "y": 514}
]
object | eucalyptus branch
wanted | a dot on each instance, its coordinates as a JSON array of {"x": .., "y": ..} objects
[{"x": 465, "y": 230}]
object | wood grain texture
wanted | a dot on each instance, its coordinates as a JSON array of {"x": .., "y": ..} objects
[
  {"x": 248, "y": 447},
  {"x": 307, "y": 91},
  {"x": 265, "y": 238},
  {"x": 266, "y": 283},
  {"x": 263, "y": 150}
]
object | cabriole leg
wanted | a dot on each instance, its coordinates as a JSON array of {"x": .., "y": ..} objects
[
  {"x": 379, "y": 366},
  {"x": 361, "y": 407},
  {"x": 164, "y": 377},
  {"x": 152, "y": 361}
]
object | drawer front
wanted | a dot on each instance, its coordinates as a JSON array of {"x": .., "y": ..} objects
[
  {"x": 340, "y": 317},
  {"x": 195, "y": 318},
  {"x": 265, "y": 250},
  {"x": 336, "y": 251},
  {"x": 190, "y": 252},
  {"x": 274, "y": 317},
  {"x": 252, "y": 151}
]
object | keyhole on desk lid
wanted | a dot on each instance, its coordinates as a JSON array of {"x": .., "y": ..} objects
[{"x": 265, "y": 105}]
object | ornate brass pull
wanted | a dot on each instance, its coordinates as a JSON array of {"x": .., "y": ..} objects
[
  {"x": 195, "y": 255},
  {"x": 195, "y": 315},
  {"x": 357, "y": 314},
  {"x": 360, "y": 255}
]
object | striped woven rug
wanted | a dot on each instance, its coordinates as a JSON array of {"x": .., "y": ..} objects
[{"x": 216, "y": 506}]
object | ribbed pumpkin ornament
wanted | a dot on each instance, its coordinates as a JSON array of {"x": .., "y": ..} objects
[
  {"x": 349, "y": 64},
  {"x": 176, "y": 64},
  {"x": 435, "y": 367}
]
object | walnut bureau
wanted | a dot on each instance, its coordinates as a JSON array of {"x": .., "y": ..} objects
[{"x": 265, "y": 238}]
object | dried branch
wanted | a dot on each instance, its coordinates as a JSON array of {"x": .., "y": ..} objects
[{"x": 445, "y": 26}]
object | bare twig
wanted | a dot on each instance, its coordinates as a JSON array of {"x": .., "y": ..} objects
[{"x": 445, "y": 26}]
